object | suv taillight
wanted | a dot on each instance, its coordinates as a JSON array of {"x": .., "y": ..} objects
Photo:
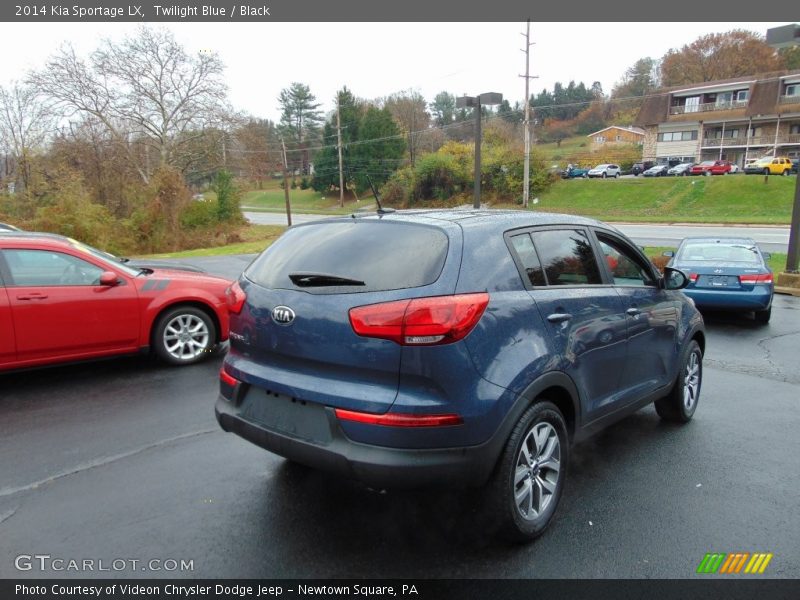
[
  {"x": 763, "y": 278},
  {"x": 235, "y": 298},
  {"x": 421, "y": 321}
]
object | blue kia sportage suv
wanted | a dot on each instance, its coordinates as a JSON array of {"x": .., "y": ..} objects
[{"x": 455, "y": 347}]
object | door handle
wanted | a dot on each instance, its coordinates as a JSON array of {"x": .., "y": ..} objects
[
  {"x": 33, "y": 296},
  {"x": 633, "y": 311},
  {"x": 559, "y": 317}
]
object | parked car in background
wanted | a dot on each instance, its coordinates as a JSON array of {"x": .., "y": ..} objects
[
  {"x": 794, "y": 165},
  {"x": 712, "y": 167},
  {"x": 640, "y": 167},
  {"x": 605, "y": 170},
  {"x": 8, "y": 227},
  {"x": 681, "y": 169},
  {"x": 726, "y": 274},
  {"x": 63, "y": 301},
  {"x": 769, "y": 165},
  {"x": 401, "y": 373},
  {"x": 573, "y": 171},
  {"x": 656, "y": 171}
]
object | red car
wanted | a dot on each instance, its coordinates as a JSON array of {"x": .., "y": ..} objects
[
  {"x": 63, "y": 301},
  {"x": 713, "y": 167}
]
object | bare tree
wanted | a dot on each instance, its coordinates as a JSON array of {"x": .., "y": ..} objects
[
  {"x": 144, "y": 90},
  {"x": 25, "y": 123},
  {"x": 409, "y": 110}
]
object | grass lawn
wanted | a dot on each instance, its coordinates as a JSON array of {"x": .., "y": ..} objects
[
  {"x": 254, "y": 239},
  {"x": 271, "y": 199},
  {"x": 720, "y": 199}
]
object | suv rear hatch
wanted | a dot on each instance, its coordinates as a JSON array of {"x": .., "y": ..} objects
[{"x": 294, "y": 336}]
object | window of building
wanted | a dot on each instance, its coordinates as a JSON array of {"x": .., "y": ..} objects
[
  {"x": 677, "y": 136},
  {"x": 742, "y": 95},
  {"x": 756, "y": 132},
  {"x": 600, "y": 139},
  {"x": 692, "y": 104},
  {"x": 619, "y": 138},
  {"x": 724, "y": 98},
  {"x": 793, "y": 90},
  {"x": 794, "y": 128}
]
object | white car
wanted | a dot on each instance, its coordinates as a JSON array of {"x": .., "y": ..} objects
[{"x": 604, "y": 171}]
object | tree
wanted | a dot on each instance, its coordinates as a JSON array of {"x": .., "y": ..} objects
[
  {"x": 145, "y": 90},
  {"x": 25, "y": 122},
  {"x": 326, "y": 161},
  {"x": 379, "y": 151},
  {"x": 513, "y": 115},
  {"x": 227, "y": 208},
  {"x": 790, "y": 56},
  {"x": 556, "y": 131},
  {"x": 409, "y": 110},
  {"x": 258, "y": 144},
  {"x": 300, "y": 119},
  {"x": 443, "y": 109},
  {"x": 736, "y": 53},
  {"x": 639, "y": 79}
]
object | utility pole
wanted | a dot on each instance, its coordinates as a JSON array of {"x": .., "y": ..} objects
[
  {"x": 339, "y": 145},
  {"x": 526, "y": 124},
  {"x": 286, "y": 186}
]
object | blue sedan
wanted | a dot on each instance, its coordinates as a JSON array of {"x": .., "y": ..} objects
[{"x": 726, "y": 274}]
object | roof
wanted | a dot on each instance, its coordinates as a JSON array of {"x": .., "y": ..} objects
[
  {"x": 634, "y": 130},
  {"x": 763, "y": 98}
]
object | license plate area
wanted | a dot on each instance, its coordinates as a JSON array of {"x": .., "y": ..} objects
[
  {"x": 719, "y": 281},
  {"x": 288, "y": 415}
]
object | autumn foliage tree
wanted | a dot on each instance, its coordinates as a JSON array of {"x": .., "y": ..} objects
[{"x": 736, "y": 53}]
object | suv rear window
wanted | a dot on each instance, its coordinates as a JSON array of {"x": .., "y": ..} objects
[{"x": 375, "y": 256}]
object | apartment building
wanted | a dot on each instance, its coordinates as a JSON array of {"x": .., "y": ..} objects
[{"x": 735, "y": 119}]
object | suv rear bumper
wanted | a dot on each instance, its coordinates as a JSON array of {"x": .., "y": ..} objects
[{"x": 377, "y": 466}]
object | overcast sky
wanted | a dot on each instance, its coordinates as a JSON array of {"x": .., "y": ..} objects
[{"x": 378, "y": 59}]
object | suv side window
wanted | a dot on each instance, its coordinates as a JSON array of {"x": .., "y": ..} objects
[
  {"x": 523, "y": 245},
  {"x": 625, "y": 267},
  {"x": 567, "y": 257}
]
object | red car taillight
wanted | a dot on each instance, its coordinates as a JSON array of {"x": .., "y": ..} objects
[
  {"x": 421, "y": 321},
  {"x": 235, "y": 298},
  {"x": 693, "y": 277},
  {"x": 755, "y": 278}
]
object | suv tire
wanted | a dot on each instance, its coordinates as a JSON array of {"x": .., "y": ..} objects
[
  {"x": 527, "y": 483},
  {"x": 681, "y": 402}
]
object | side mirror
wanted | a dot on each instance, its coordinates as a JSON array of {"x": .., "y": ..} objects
[
  {"x": 109, "y": 278},
  {"x": 674, "y": 279},
  {"x": 669, "y": 253}
]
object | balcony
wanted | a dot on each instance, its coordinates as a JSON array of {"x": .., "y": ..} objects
[
  {"x": 793, "y": 99},
  {"x": 708, "y": 107},
  {"x": 755, "y": 141}
]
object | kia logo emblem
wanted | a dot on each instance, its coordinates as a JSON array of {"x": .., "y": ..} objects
[{"x": 282, "y": 315}]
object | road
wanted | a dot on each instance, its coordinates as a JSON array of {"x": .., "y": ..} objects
[
  {"x": 770, "y": 239},
  {"x": 124, "y": 460}
]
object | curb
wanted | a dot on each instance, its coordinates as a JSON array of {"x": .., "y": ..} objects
[{"x": 788, "y": 291}]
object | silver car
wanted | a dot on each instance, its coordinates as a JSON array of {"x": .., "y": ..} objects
[
  {"x": 681, "y": 169},
  {"x": 604, "y": 170}
]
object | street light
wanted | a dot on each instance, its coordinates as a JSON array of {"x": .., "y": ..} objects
[{"x": 475, "y": 103}]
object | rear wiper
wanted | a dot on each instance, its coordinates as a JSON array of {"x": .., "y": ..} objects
[{"x": 321, "y": 279}]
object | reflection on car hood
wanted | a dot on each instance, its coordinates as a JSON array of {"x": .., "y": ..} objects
[{"x": 163, "y": 264}]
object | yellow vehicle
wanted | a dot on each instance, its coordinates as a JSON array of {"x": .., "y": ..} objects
[{"x": 770, "y": 165}]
